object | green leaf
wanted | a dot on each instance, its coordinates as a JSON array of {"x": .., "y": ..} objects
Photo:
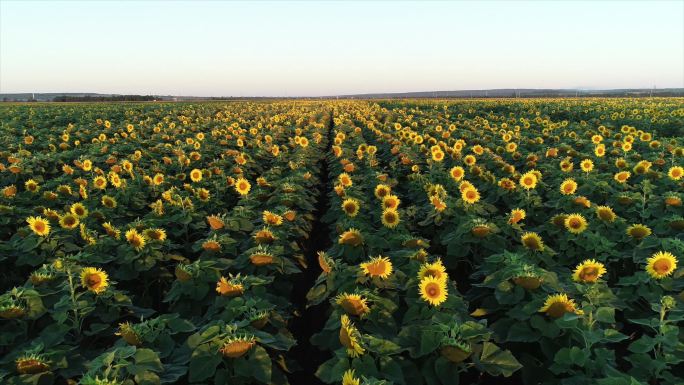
[
  {"x": 498, "y": 362},
  {"x": 642, "y": 345},
  {"x": 382, "y": 346},
  {"x": 605, "y": 314},
  {"x": 578, "y": 356},
  {"x": 333, "y": 369},
  {"x": 146, "y": 359},
  {"x": 203, "y": 363},
  {"x": 446, "y": 371},
  {"x": 613, "y": 335},
  {"x": 261, "y": 364}
]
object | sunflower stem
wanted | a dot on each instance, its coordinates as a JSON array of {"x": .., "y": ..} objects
[{"x": 72, "y": 289}]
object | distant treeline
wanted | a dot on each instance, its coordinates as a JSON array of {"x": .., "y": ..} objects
[{"x": 113, "y": 98}]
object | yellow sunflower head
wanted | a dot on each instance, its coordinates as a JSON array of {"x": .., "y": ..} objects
[
  {"x": 380, "y": 267},
  {"x": 351, "y": 237},
  {"x": 232, "y": 287},
  {"x": 575, "y": 223},
  {"x": 638, "y": 231},
  {"x": 470, "y": 195},
  {"x": 390, "y": 202},
  {"x": 382, "y": 190},
  {"x": 516, "y": 216},
  {"x": 94, "y": 279},
  {"x": 350, "y": 207},
  {"x": 39, "y": 225},
  {"x": 661, "y": 264},
  {"x": 69, "y": 221},
  {"x": 242, "y": 186},
  {"x": 568, "y": 187},
  {"x": 238, "y": 346},
  {"x": 532, "y": 241},
  {"x": 135, "y": 239},
  {"x": 457, "y": 173},
  {"x": 589, "y": 271},
  {"x": 433, "y": 290},
  {"x": 79, "y": 210},
  {"x": 390, "y": 218},
  {"x": 435, "y": 269},
  {"x": 349, "y": 378},
  {"x": 353, "y": 304},
  {"x": 558, "y": 304},
  {"x": 350, "y": 337},
  {"x": 528, "y": 180},
  {"x": 196, "y": 175},
  {"x": 675, "y": 173},
  {"x": 605, "y": 213}
]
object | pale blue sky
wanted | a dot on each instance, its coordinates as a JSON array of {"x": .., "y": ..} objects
[{"x": 327, "y": 48}]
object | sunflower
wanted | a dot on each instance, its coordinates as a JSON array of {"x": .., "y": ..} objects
[
  {"x": 675, "y": 173},
  {"x": 470, "y": 195},
  {"x": 109, "y": 201},
  {"x": 273, "y": 219},
  {"x": 377, "y": 267},
  {"x": 196, "y": 175},
  {"x": 638, "y": 231},
  {"x": 215, "y": 222},
  {"x": 575, "y": 223},
  {"x": 350, "y": 207},
  {"x": 39, "y": 225},
  {"x": 528, "y": 180},
  {"x": 158, "y": 179},
  {"x": 605, "y": 213},
  {"x": 558, "y": 304},
  {"x": 155, "y": 234},
  {"x": 128, "y": 333},
  {"x": 435, "y": 269},
  {"x": 433, "y": 290},
  {"x": 438, "y": 204},
  {"x": 568, "y": 187},
  {"x": 242, "y": 186},
  {"x": 457, "y": 173},
  {"x": 351, "y": 237},
  {"x": 94, "y": 279},
  {"x": 516, "y": 216},
  {"x": 588, "y": 271},
  {"x": 79, "y": 210},
  {"x": 32, "y": 364},
  {"x": 600, "y": 150},
  {"x": 587, "y": 165},
  {"x": 325, "y": 262},
  {"x": 390, "y": 202},
  {"x": 236, "y": 347},
  {"x": 382, "y": 190},
  {"x": 661, "y": 264},
  {"x": 135, "y": 239},
  {"x": 264, "y": 236},
  {"x": 69, "y": 221},
  {"x": 100, "y": 182},
  {"x": 390, "y": 218},
  {"x": 31, "y": 185},
  {"x": 345, "y": 180},
  {"x": 349, "y": 379},
  {"x": 229, "y": 287},
  {"x": 261, "y": 258},
  {"x": 532, "y": 241},
  {"x": 622, "y": 176},
  {"x": 350, "y": 337},
  {"x": 353, "y": 304},
  {"x": 111, "y": 230}
]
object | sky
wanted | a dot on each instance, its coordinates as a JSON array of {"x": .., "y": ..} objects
[{"x": 317, "y": 48}]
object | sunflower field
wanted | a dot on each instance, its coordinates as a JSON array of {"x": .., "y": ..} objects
[{"x": 408, "y": 242}]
